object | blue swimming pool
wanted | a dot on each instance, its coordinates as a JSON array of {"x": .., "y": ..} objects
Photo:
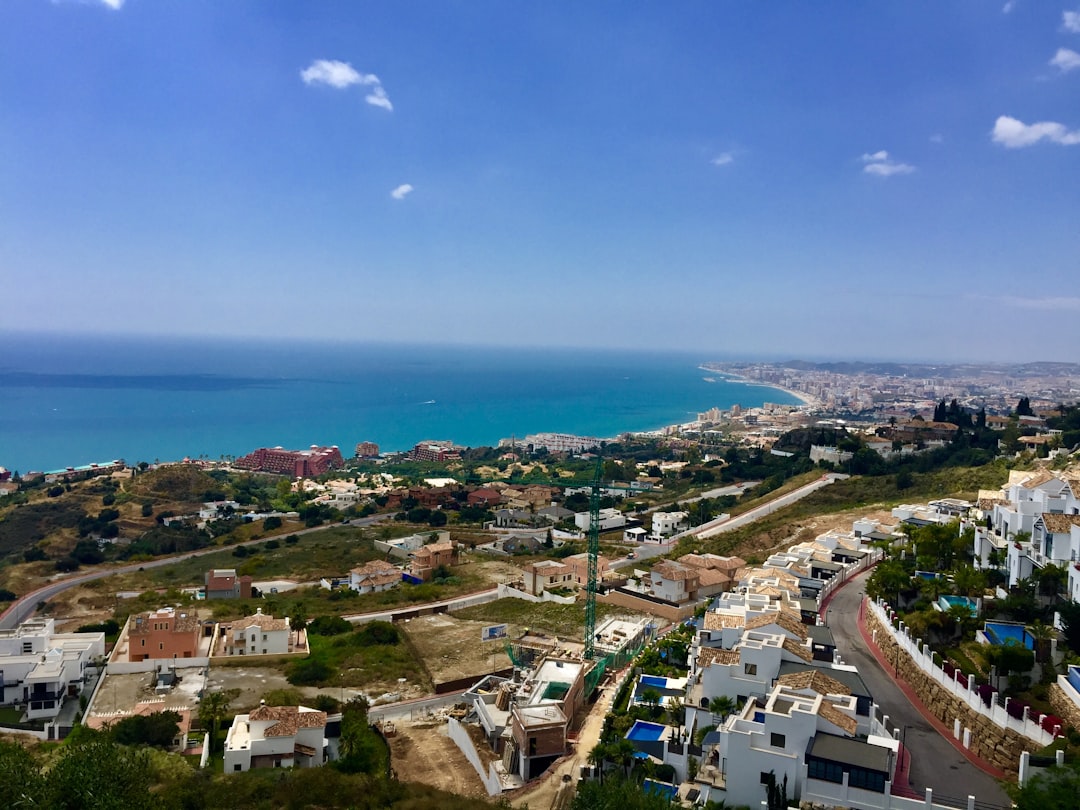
[
  {"x": 645, "y": 732},
  {"x": 668, "y": 791},
  {"x": 1003, "y": 633},
  {"x": 946, "y": 602},
  {"x": 654, "y": 680}
]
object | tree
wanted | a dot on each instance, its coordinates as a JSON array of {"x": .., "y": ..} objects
[
  {"x": 1056, "y": 788},
  {"x": 298, "y": 621},
  {"x": 95, "y": 772},
  {"x": 969, "y": 581},
  {"x": 157, "y": 729},
  {"x": 213, "y": 708},
  {"x": 721, "y": 706},
  {"x": 1069, "y": 613},
  {"x": 651, "y": 697},
  {"x": 1023, "y": 407},
  {"x": 21, "y": 784},
  {"x": 360, "y": 749},
  {"x": 888, "y": 579},
  {"x": 776, "y": 795}
]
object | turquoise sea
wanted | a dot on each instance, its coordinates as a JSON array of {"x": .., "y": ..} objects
[{"x": 71, "y": 400}]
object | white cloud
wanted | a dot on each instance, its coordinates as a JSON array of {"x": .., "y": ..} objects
[
  {"x": 115, "y": 5},
  {"x": 402, "y": 191},
  {"x": 1070, "y": 21},
  {"x": 880, "y": 165},
  {"x": 723, "y": 159},
  {"x": 341, "y": 75},
  {"x": 378, "y": 98},
  {"x": 334, "y": 73},
  {"x": 1045, "y": 304},
  {"x": 1014, "y": 134},
  {"x": 937, "y": 137},
  {"x": 1008, "y": 7},
  {"x": 1066, "y": 60}
]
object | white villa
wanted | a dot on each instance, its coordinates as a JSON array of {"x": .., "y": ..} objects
[{"x": 276, "y": 737}]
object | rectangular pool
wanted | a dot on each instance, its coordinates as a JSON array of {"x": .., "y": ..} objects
[
  {"x": 645, "y": 732},
  {"x": 654, "y": 681},
  {"x": 1003, "y": 633}
]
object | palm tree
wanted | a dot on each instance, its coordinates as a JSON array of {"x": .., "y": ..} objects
[
  {"x": 651, "y": 698},
  {"x": 598, "y": 756},
  {"x": 1043, "y": 634},
  {"x": 722, "y": 706},
  {"x": 213, "y": 708}
]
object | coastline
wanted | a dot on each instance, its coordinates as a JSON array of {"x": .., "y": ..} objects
[
  {"x": 806, "y": 399},
  {"x": 382, "y": 395}
]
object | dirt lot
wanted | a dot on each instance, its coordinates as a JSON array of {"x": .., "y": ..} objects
[
  {"x": 451, "y": 648},
  {"x": 762, "y": 544},
  {"x": 423, "y": 752}
]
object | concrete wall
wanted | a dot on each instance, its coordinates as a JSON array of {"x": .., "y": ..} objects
[
  {"x": 673, "y": 613},
  {"x": 506, "y": 591},
  {"x": 995, "y": 736},
  {"x": 488, "y": 775}
]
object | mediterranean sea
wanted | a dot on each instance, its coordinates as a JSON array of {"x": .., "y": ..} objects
[{"x": 72, "y": 400}]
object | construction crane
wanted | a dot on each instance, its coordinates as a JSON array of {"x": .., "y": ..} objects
[{"x": 592, "y": 584}]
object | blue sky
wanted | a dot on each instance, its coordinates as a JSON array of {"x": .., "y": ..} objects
[{"x": 851, "y": 179}]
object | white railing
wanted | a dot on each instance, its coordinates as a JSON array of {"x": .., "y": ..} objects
[
  {"x": 849, "y": 570},
  {"x": 966, "y": 692}
]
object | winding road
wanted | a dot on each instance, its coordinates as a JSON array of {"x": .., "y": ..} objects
[{"x": 935, "y": 761}]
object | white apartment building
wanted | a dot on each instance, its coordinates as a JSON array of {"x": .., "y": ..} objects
[{"x": 40, "y": 668}]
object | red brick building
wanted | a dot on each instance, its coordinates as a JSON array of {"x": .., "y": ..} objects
[
  {"x": 296, "y": 463},
  {"x": 367, "y": 450},
  {"x": 166, "y": 633}
]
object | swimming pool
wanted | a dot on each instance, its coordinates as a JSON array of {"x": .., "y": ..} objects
[
  {"x": 946, "y": 602},
  {"x": 654, "y": 680},
  {"x": 668, "y": 791},
  {"x": 1004, "y": 632},
  {"x": 645, "y": 732}
]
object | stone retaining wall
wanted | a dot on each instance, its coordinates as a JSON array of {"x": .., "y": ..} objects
[
  {"x": 1063, "y": 707},
  {"x": 1001, "y": 747}
]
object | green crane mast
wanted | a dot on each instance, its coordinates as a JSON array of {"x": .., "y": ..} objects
[{"x": 594, "y": 553}]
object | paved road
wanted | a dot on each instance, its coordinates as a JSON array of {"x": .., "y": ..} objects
[
  {"x": 24, "y": 607},
  {"x": 935, "y": 763},
  {"x": 719, "y": 527}
]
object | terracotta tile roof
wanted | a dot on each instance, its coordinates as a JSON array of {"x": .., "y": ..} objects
[
  {"x": 289, "y": 719},
  {"x": 782, "y": 619},
  {"x": 792, "y": 646},
  {"x": 695, "y": 560},
  {"x": 718, "y": 621},
  {"x": 261, "y": 620},
  {"x": 674, "y": 571},
  {"x": 712, "y": 655},
  {"x": 709, "y": 576},
  {"x": 986, "y": 504},
  {"x": 186, "y": 623},
  {"x": 375, "y": 568},
  {"x": 813, "y": 679},
  {"x": 1059, "y": 524},
  {"x": 1036, "y": 478},
  {"x": 827, "y": 711}
]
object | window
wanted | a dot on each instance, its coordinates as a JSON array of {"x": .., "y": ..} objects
[
  {"x": 777, "y": 740},
  {"x": 161, "y": 645},
  {"x": 27, "y": 647},
  {"x": 750, "y": 669},
  {"x": 143, "y": 642},
  {"x": 764, "y": 778},
  {"x": 237, "y": 766}
]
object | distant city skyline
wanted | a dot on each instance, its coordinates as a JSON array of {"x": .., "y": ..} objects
[{"x": 878, "y": 181}]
